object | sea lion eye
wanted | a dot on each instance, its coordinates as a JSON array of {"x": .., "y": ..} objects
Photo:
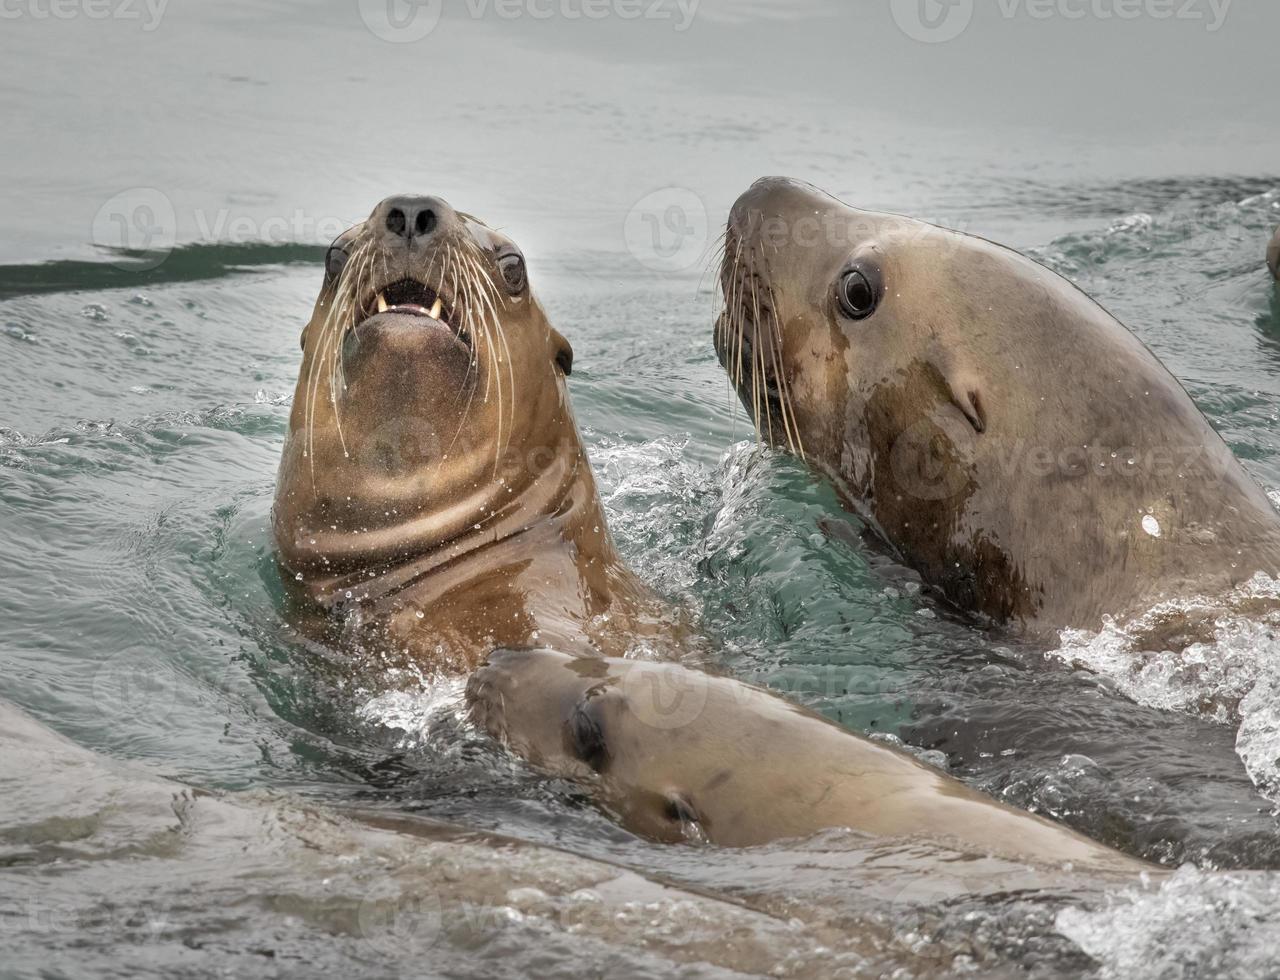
[
  {"x": 513, "y": 273},
  {"x": 335, "y": 260},
  {"x": 858, "y": 296}
]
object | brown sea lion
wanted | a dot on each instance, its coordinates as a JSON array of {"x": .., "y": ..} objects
[
  {"x": 1273, "y": 255},
  {"x": 114, "y": 870},
  {"x": 1002, "y": 432},
  {"x": 434, "y": 500},
  {"x": 683, "y": 755}
]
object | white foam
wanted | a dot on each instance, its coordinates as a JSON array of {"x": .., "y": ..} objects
[
  {"x": 417, "y": 714},
  {"x": 655, "y": 496},
  {"x": 1231, "y": 676},
  {"x": 1196, "y": 924}
]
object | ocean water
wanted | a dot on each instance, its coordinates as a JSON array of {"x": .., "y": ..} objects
[{"x": 168, "y": 182}]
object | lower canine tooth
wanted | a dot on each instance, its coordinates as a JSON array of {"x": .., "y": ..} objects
[
  {"x": 382, "y": 303},
  {"x": 435, "y": 310}
]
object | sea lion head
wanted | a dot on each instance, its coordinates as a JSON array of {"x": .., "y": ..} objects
[
  {"x": 819, "y": 336},
  {"x": 1005, "y": 434},
  {"x": 431, "y": 393}
]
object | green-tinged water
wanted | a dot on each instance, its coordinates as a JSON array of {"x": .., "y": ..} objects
[{"x": 145, "y": 400}]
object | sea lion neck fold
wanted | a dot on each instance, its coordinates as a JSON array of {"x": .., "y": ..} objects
[{"x": 1004, "y": 433}]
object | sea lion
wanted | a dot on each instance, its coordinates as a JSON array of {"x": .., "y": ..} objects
[
  {"x": 434, "y": 500},
  {"x": 113, "y": 870},
  {"x": 682, "y": 755},
  {"x": 1007, "y": 436},
  {"x": 1273, "y": 255}
]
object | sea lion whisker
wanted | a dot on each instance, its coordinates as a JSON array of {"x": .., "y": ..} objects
[
  {"x": 493, "y": 380},
  {"x": 488, "y": 290},
  {"x": 732, "y": 333},
  {"x": 452, "y": 275},
  {"x": 484, "y": 287},
  {"x": 714, "y": 261},
  {"x": 781, "y": 382},
  {"x": 318, "y": 355},
  {"x": 478, "y": 329},
  {"x": 739, "y": 320},
  {"x": 758, "y": 374},
  {"x": 336, "y": 333},
  {"x": 776, "y": 393}
]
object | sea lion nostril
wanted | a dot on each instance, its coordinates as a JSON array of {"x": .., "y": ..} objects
[
  {"x": 396, "y": 222},
  {"x": 585, "y": 736},
  {"x": 425, "y": 223},
  {"x": 681, "y": 811}
]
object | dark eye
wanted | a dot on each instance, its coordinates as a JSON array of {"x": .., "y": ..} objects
[
  {"x": 858, "y": 294},
  {"x": 335, "y": 260},
  {"x": 513, "y": 275}
]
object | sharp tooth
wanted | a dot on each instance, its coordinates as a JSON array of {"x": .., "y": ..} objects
[
  {"x": 435, "y": 310},
  {"x": 382, "y": 303}
]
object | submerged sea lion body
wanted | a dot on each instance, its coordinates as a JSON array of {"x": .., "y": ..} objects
[
  {"x": 1006, "y": 435},
  {"x": 434, "y": 500},
  {"x": 681, "y": 755}
]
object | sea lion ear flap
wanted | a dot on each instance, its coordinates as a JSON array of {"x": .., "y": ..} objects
[
  {"x": 564, "y": 353},
  {"x": 964, "y": 389}
]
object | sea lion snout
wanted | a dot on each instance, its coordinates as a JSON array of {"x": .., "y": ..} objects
[
  {"x": 412, "y": 221},
  {"x": 534, "y": 701},
  {"x": 430, "y": 394},
  {"x": 773, "y": 198}
]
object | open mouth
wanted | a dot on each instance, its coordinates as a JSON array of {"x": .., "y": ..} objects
[{"x": 408, "y": 297}]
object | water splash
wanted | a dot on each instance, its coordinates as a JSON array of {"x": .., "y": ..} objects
[
  {"x": 1196, "y": 924},
  {"x": 656, "y": 496},
  {"x": 1215, "y": 658},
  {"x": 415, "y": 716}
]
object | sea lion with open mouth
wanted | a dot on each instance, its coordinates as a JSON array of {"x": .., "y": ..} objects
[
  {"x": 1002, "y": 432},
  {"x": 434, "y": 500},
  {"x": 435, "y": 504}
]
